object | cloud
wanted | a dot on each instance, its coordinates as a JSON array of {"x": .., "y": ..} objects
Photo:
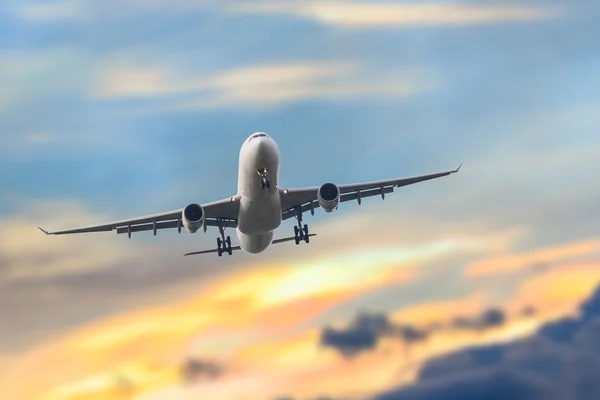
[
  {"x": 354, "y": 14},
  {"x": 571, "y": 280},
  {"x": 561, "y": 360},
  {"x": 364, "y": 332},
  {"x": 29, "y": 76},
  {"x": 487, "y": 385},
  {"x": 529, "y": 259},
  {"x": 366, "y": 329},
  {"x": 63, "y": 10},
  {"x": 260, "y": 341},
  {"x": 259, "y": 85},
  {"x": 490, "y": 318},
  {"x": 27, "y": 253},
  {"x": 194, "y": 369},
  {"x": 89, "y": 11},
  {"x": 143, "y": 347}
]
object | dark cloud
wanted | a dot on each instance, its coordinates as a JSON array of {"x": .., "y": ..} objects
[
  {"x": 560, "y": 361},
  {"x": 194, "y": 370},
  {"x": 485, "y": 385},
  {"x": 490, "y": 318},
  {"x": 366, "y": 329},
  {"x": 364, "y": 332},
  {"x": 312, "y": 398},
  {"x": 528, "y": 311}
]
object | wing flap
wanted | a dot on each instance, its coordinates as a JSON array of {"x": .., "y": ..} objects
[
  {"x": 343, "y": 198},
  {"x": 367, "y": 193},
  {"x": 225, "y": 209},
  {"x": 169, "y": 225}
]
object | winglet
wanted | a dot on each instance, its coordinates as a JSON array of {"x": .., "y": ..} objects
[
  {"x": 43, "y": 230},
  {"x": 458, "y": 169}
]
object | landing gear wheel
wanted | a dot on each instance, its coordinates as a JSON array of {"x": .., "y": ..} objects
[
  {"x": 300, "y": 231},
  {"x": 227, "y": 245},
  {"x": 266, "y": 184},
  {"x": 223, "y": 243}
]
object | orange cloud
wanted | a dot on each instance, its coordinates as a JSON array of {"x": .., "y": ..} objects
[
  {"x": 289, "y": 364},
  {"x": 518, "y": 262},
  {"x": 441, "y": 311},
  {"x": 254, "y": 320},
  {"x": 147, "y": 346},
  {"x": 567, "y": 286}
]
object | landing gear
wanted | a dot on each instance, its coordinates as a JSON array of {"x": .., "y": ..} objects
[
  {"x": 223, "y": 243},
  {"x": 263, "y": 172},
  {"x": 300, "y": 232}
]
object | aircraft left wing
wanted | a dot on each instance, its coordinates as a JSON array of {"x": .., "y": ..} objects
[
  {"x": 307, "y": 199},
  {"x": 225, "y": 210}
]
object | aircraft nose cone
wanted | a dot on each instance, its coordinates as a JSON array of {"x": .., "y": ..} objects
[{"x": 261, "y": 147}]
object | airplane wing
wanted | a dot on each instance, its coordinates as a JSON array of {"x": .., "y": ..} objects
[
  {"x": 306, "y": 198},
  {"x": 234, "y": 248},
  {"x": 222, "y": 210}
]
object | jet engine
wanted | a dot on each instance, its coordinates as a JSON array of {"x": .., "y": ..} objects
[
  {"x": 329, "y": 196},
  {"x": 192, "y": 217}
]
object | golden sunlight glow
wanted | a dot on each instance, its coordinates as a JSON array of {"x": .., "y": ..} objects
[
  {"x": 257, "y": 321},
  {"x": 516, "y": 262}
]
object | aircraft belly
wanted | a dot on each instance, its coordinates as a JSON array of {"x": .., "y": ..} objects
[
  {"x": 254, "y": 244},
  {"x": 259, "y": 215}
]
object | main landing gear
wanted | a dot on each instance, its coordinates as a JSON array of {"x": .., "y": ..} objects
[
  {"x": 263, "y": 172},
  {"x": 223, "y": 244},
  {"x": 300, "y": 232}
]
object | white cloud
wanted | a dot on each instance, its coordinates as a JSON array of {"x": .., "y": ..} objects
[
  {"x": 62, "y": 10},
  {"x": 30, "y": 76},
  {"x": 77, "y": 11},
  {"x": 259, "y": 85},
  {"x": 383, "y": 14},
  {"x": 26, "y": 253}
]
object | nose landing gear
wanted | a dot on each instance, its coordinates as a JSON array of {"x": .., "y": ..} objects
[{"x": 263, "y": 172}]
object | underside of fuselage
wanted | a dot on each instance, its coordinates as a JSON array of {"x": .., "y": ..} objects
[
  {"x": 256, "y": 243},
  {"x": 260, "y": 204}
]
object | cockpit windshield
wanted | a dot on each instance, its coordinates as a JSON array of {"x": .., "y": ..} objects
[{"x": 261, "y": 134}]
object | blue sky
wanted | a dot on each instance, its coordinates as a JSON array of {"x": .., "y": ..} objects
[{"x": 118, "y": 109}]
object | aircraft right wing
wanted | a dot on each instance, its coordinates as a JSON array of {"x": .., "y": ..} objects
[
  {"x": 223, "y": 211},
  {"x": 305, "y": 199}
]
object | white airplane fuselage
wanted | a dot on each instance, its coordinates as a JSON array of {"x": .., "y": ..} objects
[{"x": 260, "y": 208}]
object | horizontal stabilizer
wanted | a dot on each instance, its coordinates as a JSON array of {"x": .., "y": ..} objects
[{"x": 234, "y": 248}]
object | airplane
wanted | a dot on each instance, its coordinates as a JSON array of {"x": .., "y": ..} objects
[{"x": 260, "y": 205}]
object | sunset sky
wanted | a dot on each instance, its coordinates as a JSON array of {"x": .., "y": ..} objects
[{"x": 118, "y": 109}]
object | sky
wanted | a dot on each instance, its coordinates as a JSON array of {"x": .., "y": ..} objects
[{"x": 111, "y": 110}]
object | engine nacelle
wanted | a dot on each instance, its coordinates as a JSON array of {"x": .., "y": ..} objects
[
  {"x": 192, "y": 217},
  {"x": 328, "y": 196}
]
